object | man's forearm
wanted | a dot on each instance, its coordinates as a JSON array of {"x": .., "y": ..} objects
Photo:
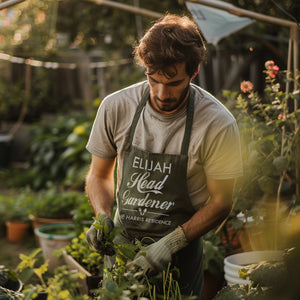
[
  {"x": 100, "y": 192},
  {"x": 205, "y": 219}
]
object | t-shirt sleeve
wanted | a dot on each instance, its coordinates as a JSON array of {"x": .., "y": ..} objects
[
  {"x": 223, "y": 154},
  {"x": 101, "y": 142}
]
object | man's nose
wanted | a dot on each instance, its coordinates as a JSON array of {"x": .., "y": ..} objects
[{"x": 162, "y": 92}]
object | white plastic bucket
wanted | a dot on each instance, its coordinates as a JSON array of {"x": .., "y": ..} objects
[
  {"x": 234, "y": 262},
  {"x": 54, "y": 237}
]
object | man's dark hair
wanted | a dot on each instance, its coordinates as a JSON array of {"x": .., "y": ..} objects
[{"x": 172, "y": 39}]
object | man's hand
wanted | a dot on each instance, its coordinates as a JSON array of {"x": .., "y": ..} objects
[
  {"x": 97, "y": 236},
  {"x": 157, "y": 255}
]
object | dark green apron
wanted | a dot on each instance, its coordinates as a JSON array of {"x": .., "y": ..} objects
[{"x": 153, "y": 198}]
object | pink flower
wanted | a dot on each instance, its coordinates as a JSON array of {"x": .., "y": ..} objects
[
  {"x": 246, "y": 86},
  {"x": 281, "y": 116},
  {"x": 41, "y": 16},
  {"x": 272, "y": 69},
  {"x": 269, "y": 64}
]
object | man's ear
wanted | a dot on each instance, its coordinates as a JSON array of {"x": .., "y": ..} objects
[{"x": 196, "y": 72}]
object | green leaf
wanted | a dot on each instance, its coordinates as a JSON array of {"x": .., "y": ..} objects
[
  {"x": 255, "y": 157},
  {"x": 267, "y": 184},
  {"x": 226, "y": 93},
  {"x": 281, "y": 163},
  {"x": 72, "y": 138},
  {"x": 69, "y": 152},
  {"x": 296, "y": 95},
  {"x": 127, "y": 251},
  {"x": 41, "y": 270},
  {"x": 106, "y": 229},
  {"x": 25, "y": 275},
  {"x": 111, "y": 286}
]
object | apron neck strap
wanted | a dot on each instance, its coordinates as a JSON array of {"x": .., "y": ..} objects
[
  {"x": 137, "y": 116},
  {"x": 188, "y": 123},
  {"x": 188, "y": 126}
]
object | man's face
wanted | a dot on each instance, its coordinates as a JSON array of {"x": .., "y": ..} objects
[{"x": 169, "y": 94}]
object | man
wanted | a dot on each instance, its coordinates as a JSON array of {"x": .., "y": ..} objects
[{"x": 178, "y": 155}]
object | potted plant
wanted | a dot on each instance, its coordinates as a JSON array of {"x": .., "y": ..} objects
[
  {"x": 78, "y": 255},
  {"x": 9, "y": 280},
  {"x": 233, "y": 263},
  {"x": 15, "y": 215},
  {"x": 267, "y": 278},
  {"x": 42, "y": 285},
  {"x": 53, "y": 206}
]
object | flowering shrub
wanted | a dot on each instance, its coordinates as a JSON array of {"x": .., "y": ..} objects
[
  {"x": 271, "y": 69},
  {"x": 269, "y": 133}
]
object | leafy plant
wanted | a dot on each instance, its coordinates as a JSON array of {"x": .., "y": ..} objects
[
  {"x": 6, "y": 294},
  {"x": 8, "y": 278},
  {"x": 213, "y": 254},
  {"x": 239, "y": 292},
  {"x": 58, "y": 153},
  {"x": 53, "y": 203},
  {"x": 10, "y": 101},
  {"x": 269, "y": 280},
  {"x": 123, "y": 283},
  {"x": 31, "y": 265},
  {"x": 107, "y": 234},
  {"x": 269, "y": 134},
  {"x": 14, "y": 207},
  {"x": 80, "y": 250},
  {"x": 62, "y": 285},
  {"x": 265, "y": 273},
  {"x": 82, "y": 214}
]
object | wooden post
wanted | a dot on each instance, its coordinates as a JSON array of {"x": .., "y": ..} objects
[
  {"x": 295, "y": 38},
  {"x": 9, "y": 3},
  {"x": 130, "y": 8}
]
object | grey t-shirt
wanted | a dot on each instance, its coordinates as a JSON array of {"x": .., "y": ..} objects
[{"x": 214, "y": 150}]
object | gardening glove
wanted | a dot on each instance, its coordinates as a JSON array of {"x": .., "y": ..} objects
[
  {"x": 98, "y": 238},
  {"x": 157, "y": 255}
]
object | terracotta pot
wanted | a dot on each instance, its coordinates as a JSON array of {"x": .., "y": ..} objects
[
  {"x": 37, "y": 222},
  {"x": 16, "y": 231}
]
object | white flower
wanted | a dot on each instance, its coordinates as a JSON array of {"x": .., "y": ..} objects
[
  {"x": 137, "y": 274},
  {"x": 126, "y": 292},
  {"x": 134, "y": 286},
  {"x": 275, "y": 87}
]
